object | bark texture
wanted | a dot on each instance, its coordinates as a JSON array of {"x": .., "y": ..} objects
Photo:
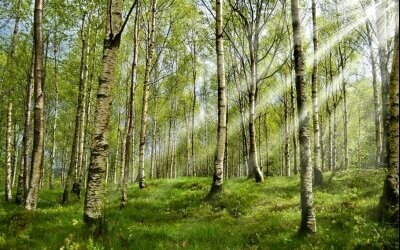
[
  {"x": 308, "y": 221},
  {"x": 383, "y": 66},
  {"x": 286, "y": 132},
  {"x": 390, "y": 195},
  {"x": 53, "y": 147},
  {"x": 318, "y": 177},
  {"x": 38, "y": 120},
  {"x": 94, "y": 199},
  {"x": 216, "y": 186},
  {"x": 146, "y": 84},
  {"x": 8, "y": 181},
  {"x": 23, "y": 178}
]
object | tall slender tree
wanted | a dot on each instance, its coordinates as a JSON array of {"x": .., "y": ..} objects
[
  {"x": 377, "y": 113},
  {"x": 9, "y": 66},
  {"x": 146, "y": 84},
  {"x": 381, "y": 23},
  {"x": 38, "y": 120},
  {"x": 23, "y": 178},
  {"x": 194, "y": 76},
  {"x": 308, "y": 221},
  {"x": 54, "y": 143},
  {"x": 390, "y": 195},
  {"x": 94, "y": 198},
  {"x": 131, "y": 110},
  {"x": 73, "y": 172},
  {"x": 8, "y": 180},
  {"x": 318, "y": 177},
  {"x": 216, "y": 186}
]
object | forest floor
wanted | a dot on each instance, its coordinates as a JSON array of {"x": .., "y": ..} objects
[{"x": 172, "y": 214}]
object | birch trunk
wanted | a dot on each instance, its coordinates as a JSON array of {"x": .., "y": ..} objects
[
  {"x": 318, "y": 177},
  {"x": 194, "y": 63},
  {"x": 345, "y": 115},
  {"x": 145, "y": 104},
  {"x": 266, "y": 145},
  {"x": 23, "y": 177},
  {"x": 294, "y": 125},
  {"x": 73, "y": 170},
  {"x": 38, "y": 122},
  {"x": 308, "y": 221},
  {"x": 94, "y": 199},
  {"x": 82, "y": 127},
  {"x": 131, "y": 110},
  {"x": 254, "y": 169},
  {"x": 383, "y": 66},
  {"x": 8, "y": 181},
  {"x": 390, "y": 195},
  {"x": 216, "y": 186},
  {"x": 9, "y": 137},
  {"x": 286, "y": 134},
  {"x": 53, "y": 148},
  {"x": 378, "y": 132},
  {"x": 153, "y": 147}
]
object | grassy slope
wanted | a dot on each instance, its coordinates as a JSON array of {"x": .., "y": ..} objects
[{"x": 172, "y": 214}]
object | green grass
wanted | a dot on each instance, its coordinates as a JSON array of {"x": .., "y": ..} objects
[{"x": 172, "y": 214}]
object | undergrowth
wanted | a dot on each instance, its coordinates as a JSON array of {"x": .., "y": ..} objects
[{"x": 173, "y": 214}]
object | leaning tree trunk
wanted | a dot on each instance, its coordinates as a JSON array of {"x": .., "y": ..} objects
[
  {"x": 131, "y": 110},
  {"x": 218, "y": 176},
  {"x": 318, "y": 177},
  {"x": 390, "y": 195},
  {"x": 308, "y": 221},
  {"x": 145, "y": 104},
  {"x": 38, "y": 120},
  {"x": 94, "y": 199}
]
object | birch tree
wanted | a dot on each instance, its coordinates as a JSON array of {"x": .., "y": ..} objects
[
  {"x": 390, "y": 195},
  {"x": 216, "y": 186},
  {"x": 318, "y": 178},
  {"x": 94, "y": 198},
  {"x": 38, "y": 120},
  {"x": 146, "y": 84},
  {"x": 131, "y": 110},
  {"x": 308, "y": 221}
]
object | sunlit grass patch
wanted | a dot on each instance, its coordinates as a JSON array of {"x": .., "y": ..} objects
[{"x": 173, "y": 214}]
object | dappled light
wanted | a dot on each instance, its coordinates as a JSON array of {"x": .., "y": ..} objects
[{"x": 180, "y": 124}]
